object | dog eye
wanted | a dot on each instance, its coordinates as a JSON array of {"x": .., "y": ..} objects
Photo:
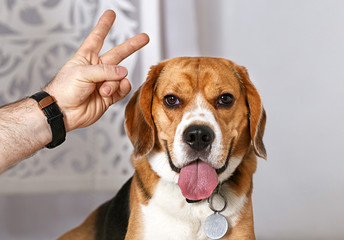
[
  {"x": 225, "y": 100},
  {"x": 172, "y": 101}
]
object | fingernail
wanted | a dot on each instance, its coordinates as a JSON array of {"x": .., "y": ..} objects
[
  {"x": 107, "y": 90},
  {"x": 121, "y": 71}
]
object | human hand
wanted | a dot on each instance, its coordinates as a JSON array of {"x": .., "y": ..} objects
[{"x": 88, "y": 84}]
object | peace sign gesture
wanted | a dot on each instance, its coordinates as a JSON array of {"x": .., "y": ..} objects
[{"x": 88, "y": 84}]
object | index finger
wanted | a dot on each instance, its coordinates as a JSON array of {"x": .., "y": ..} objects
[
  {"x": 122, "y": 51},
  {"x": 95, "y": 40}
]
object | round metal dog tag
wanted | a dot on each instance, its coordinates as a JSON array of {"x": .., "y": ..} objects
[{"x": 215, "y": 226}]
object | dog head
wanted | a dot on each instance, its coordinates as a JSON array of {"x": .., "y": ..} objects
[{"x": 195, "y": 119}]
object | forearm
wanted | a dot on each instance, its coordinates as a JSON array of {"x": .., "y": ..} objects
[{"x": 23, "y": 131}]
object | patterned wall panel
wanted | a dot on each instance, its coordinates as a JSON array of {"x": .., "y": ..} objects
[{"x": 37, "y": 37}]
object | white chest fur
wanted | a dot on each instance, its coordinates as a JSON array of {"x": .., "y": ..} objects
[{"x": 168, "y": 216}]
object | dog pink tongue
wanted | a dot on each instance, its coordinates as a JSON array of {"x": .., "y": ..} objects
[{"x": 197, "y": 180}]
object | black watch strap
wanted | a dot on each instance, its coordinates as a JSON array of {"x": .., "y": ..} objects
[{"x": 54, "y": 117}]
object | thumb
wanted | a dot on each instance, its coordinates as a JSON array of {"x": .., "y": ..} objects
[{"x": 101, "y": 72}]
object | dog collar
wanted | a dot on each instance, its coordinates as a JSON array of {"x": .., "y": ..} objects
[{"x": 193, "y": 201}]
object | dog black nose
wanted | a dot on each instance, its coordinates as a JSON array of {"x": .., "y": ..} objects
[{"x": 198, "y": 137}]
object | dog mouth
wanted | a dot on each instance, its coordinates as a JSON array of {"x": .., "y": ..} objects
[{"x": 197, "y": 180}]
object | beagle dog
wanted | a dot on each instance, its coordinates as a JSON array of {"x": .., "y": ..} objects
[{"x": 197, "y": 125}]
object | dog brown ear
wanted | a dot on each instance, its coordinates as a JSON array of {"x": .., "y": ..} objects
[
  {"x": 139, "y": 122},
  {"x": 257, "y": 113}
]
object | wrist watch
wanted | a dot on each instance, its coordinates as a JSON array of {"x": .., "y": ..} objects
[{"x": 54, "y": 116}]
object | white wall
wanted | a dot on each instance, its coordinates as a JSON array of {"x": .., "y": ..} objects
[{"x": 294, "y": 52}]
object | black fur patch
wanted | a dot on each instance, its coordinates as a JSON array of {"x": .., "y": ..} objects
[{"x": 113, "y": 216}]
